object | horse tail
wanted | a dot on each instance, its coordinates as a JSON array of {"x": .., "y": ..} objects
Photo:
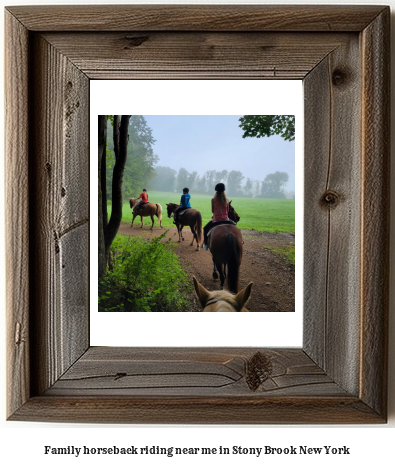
[
  {"x": 159, "y": 212},
  {"x": 199, "y": 231},
  {"x": 232, "y": 258}
]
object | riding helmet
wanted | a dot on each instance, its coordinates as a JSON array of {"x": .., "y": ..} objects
[{"x": 220, "y": 187}]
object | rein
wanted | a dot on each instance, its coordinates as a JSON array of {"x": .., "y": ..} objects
[{"x": 213, "y": 300}]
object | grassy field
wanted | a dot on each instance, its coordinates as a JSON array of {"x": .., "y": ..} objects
[{"x": 265, "y": 215}]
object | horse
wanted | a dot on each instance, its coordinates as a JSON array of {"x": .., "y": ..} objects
[
  {"x": 233, "y": 215},
  {"x": 222, "y": 301},
  {"x": 190, "y": 217},
  {"x": 149, "y": 210}
]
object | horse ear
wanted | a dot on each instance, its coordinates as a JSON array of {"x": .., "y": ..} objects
[
  {"x": 244, "y": 295},
  {"x": 201, "y": 293},
  {"x": 167, "y": 204}
]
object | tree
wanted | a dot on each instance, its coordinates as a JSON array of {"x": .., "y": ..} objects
[
  {"x": 233, "y": 186},
  {"x": 102, "y": 157},
  {"x": 267, "y": 125},
  {"x": 273, "y": 185},
  {"x": 221, "y": 176},
  {"x": 108, "y": 230},
  {"x": 248, "y": 188},
  {"x": 182, "y": 179},
  {"x": 164, "y": 179},
  {"x": 257, "y": 187},
  {"x": 191, "y": 181},
  {"x": 141, "y": 160},
  {"x": 210, "y": 178},
  {"x": 201, "y": 184}
]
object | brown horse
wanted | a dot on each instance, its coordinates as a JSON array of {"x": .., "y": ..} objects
[
  {"x": 149, "y": 210},
  {"x": 233, "y": 215},
  {"x": 222, "y": 301},
  {"x": 191, "y": 218},
  {"x": 226, "y": 246}
]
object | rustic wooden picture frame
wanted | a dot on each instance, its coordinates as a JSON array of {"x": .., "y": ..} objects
[{"x": 340, "y": 374}]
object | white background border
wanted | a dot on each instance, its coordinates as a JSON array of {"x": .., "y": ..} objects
[
  {"x": 198, "y": 97},
  {"x": 21, "y": 444}
]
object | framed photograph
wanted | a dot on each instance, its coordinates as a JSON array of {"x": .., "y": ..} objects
[{"x": 339, "y": 375}]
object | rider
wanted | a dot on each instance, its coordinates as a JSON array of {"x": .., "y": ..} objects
[
  {"x": 219, "y": 208},
  {"x": 144, "y": 200},
  {"x": 185, "y": 204}
]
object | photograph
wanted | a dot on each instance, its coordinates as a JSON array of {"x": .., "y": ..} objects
[{"x": 205, "y": 213}]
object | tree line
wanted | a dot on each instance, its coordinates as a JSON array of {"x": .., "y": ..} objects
[
  {"x": 141, "y": 168},
  {"x": 168, "y": 179}
]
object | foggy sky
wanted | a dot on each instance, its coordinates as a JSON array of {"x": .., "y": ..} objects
[{"x": 201, "y": 143}]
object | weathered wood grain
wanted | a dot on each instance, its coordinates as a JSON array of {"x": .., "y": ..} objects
[
  {"x": 191, "y": 372},
  {"x": 198, "y": 410},
  {"x": 17, "y": 212},
  {"x": 60, "y": 169},
  {"x": 375, "y": 211},
  {"x": 196, "y": 54},
  {"x": 333, "y": 208},
  {"x": 339, "y": 376},
  {"x": 196, "y": 17}
]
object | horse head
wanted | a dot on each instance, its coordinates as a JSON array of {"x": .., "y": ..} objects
[
  {"x": 132, "y": 202},
  {"x": 232, "y": 214},
  {"x": 171, "y": 207},
  {"x": 222, "y": 300}
]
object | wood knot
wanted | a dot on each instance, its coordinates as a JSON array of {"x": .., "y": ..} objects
[
  {"x": 340, "y": 77},
  {"x": 259, "y": 369},
  {"x": 135, "y": 41},
  {"x": 330, "y": 199}
]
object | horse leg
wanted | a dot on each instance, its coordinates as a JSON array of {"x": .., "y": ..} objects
[
  {"x": 134, "y": 216},
  {"x": 152, "y": 218},
  {"x": 142, "y": 223},
  {"x": 215, "y": 274},
  {"x": 181, "y": 227},
  {"x": 179, "y": 232},
  {"x": 194, "y": 236},
  {"x": 221, "y": 276}
]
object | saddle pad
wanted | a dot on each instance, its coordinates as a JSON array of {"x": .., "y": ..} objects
[{"x": 182, "y": 212}]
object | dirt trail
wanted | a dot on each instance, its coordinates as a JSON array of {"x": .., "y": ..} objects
[{"x": 274, "y": 279}]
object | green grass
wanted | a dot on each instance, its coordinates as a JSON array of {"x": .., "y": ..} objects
[
  {"x": 264, "y": 215},
  {"x": 287, "y": 253},
  {"x": 146, "y": 276}
]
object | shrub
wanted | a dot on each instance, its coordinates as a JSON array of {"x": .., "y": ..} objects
[{"x": 146, "y": 276}]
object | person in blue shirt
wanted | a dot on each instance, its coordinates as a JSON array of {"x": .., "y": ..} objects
[{"x": 185, "y": 204}]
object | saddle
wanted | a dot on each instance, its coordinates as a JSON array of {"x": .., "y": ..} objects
[
  {"x": 139, "y": 206},
  {"x": 220, "y": 222},
  {"x": 215, "y": 224},
  {"x": 183, "y": 211}
]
